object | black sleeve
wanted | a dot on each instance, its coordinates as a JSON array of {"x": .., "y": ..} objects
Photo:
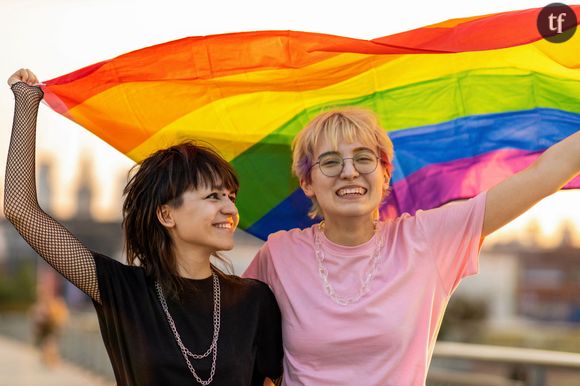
[{"x": 122, "y": 287}]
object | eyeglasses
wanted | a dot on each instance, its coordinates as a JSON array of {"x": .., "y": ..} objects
[{"x": 332, "y": 164}]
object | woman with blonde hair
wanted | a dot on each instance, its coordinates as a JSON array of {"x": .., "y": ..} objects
[{"x": 361, "y": 299}]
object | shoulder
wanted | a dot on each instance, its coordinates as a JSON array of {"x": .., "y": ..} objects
[
  {"x": 290, "y": 237},
  {"x": 454, "y": 211},
  {"x": 120, "y": 281},
  {"x": 105, "y": 260},
  {"x": 456, "y": 207},
  {"x": 449, "y": 220},
  {"x": 106, "y": 264},
  {"x": 251, "y": 287},
  {"x": 399, "y": 223},
  {"x": 283, "y": 247},
  {"x": 242, "y": 282}
]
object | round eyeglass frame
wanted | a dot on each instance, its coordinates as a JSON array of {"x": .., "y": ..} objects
[{"x": 377, "y": 160}]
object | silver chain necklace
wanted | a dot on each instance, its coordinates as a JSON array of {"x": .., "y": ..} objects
[
  {"x": 365, "y": 282},
  {"x": 216, "y": 331}
]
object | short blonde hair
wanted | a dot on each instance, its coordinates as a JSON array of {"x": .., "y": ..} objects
[{"x": 349, "y": 125}]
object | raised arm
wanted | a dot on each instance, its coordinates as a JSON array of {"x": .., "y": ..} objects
[
  {"x": 552, "y": 170},
  {"x": 47, "y": 237}
]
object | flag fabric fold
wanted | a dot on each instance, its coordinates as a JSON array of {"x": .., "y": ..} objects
[{"x": 467, "y": 103}]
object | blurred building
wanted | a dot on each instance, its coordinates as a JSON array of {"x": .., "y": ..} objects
[
  {"x": 523, "y": 281},
  {"x": 549, "y": 283}
]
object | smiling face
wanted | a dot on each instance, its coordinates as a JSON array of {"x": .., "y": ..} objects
[
  {"x": 171, "y": 221},
  {"x": 204, "y": 221},
  {"x": 335, "y": 131},
  {"x": 350, "y": 193}
]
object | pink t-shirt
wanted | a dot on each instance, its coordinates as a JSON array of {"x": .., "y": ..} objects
[{"x": 387, "y": 337}]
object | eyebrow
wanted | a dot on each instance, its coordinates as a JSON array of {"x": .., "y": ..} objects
[{"x": 362, "y": 148}]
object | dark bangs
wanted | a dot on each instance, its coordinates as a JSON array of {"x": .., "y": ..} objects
[{"x": 193, "y": 167}]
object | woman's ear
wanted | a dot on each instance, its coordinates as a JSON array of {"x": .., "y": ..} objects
[
  {"x": 386, "y": 183},
  {"x": 307, "y": 188},
  {"x": 387, "y": 178},
  {"x": 164, "y": 215}
]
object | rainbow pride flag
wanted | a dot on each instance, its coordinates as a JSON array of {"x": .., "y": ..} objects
[{"x": 467, "y": 102}]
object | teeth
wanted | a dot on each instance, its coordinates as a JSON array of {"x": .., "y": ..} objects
[
  {"x": 345, "y": 191},
  {"x": 224, "y": 226}
]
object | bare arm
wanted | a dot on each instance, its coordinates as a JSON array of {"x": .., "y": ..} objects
[
  {"x": 552, "y": 170},
  {"x": 47, "y": 237}
]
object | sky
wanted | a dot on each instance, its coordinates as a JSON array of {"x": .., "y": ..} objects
[{"x": 55, "y": 37}]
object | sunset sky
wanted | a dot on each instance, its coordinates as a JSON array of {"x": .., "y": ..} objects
[{"x": 58, "y": 36}]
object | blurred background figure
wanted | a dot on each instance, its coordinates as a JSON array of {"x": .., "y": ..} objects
[{"x": 49, "y": 315}]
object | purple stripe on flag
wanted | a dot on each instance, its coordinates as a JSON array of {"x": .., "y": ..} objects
[{"x": 438, "y": 184}]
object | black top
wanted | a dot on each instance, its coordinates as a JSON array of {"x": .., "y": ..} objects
[
  {"x": 142, "y": 347},
  {"x": 139, "y": 341}
]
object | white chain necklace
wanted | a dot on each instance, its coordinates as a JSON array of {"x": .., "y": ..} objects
[
  {"x": 216, "y": 331},
  {"x": 365, "y": 282}
]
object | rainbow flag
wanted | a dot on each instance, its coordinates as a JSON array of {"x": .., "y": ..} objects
[{"x": 467, "y": 102}]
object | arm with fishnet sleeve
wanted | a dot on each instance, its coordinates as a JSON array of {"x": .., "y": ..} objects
[{"x": 46, "y": 236}]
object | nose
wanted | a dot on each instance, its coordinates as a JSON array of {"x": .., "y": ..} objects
[
  {"x": 230, "y": 209},
  {"x": 348, "y": 169}
]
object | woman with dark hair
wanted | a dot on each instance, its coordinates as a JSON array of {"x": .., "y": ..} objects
[{"x": 170, "y": 317}]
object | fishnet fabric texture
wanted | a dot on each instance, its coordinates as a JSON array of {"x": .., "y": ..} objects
[{"x": 53, "y": 242}]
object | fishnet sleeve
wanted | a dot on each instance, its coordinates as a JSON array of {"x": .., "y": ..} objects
[{"x": 63, "y": 251}]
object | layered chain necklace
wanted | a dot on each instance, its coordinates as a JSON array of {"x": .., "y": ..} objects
[
  {"x": 216, "y": 331},
  {"x": 366, "y": 280}
]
